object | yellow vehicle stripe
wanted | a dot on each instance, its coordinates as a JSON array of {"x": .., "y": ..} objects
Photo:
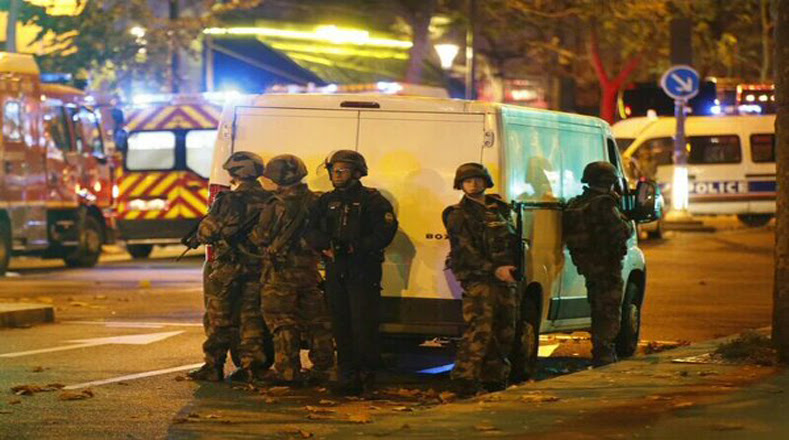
[
  {"x": 147, "y": 181},
  {"x": 154, "y": 123},
  {"x": 174, "y": 212},
  {"x": 128, "y": 181},
  {"x": 201, "y": 121},
  {"x": 164, "y": 184},
  {"x": 194, "y": 201},
  {"x": 132, "y": 215},
  {"x": 152, "y": 215},
  {"x": 136, "y": 118}
]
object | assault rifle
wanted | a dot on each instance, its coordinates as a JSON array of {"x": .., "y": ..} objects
[{"x": 190, "y": 239}]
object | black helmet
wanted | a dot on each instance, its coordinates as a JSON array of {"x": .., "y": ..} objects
[
  {"x": 244, "y": 165},
  {"x": 469, "y": 170},
  {"x": 285, "y": 169},
  {"x": 602, "y": 173},
  {"x": 350, "y": 156}
]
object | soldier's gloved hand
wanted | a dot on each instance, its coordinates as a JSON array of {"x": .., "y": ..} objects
[
  {"x": 505, "y": 273},
  {"x": 190, "y": 242}
]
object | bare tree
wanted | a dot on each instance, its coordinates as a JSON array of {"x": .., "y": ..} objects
[{"x": 781, "y": 288}]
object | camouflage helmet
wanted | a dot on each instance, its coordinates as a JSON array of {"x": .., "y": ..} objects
[
  {"x": 285, "y": 169},
  {"x": 469, "y": 170},
  {"x": 244, "y": 165},
  {"x": 350, "y": 156},
  {"x": 602, "y": 173}
]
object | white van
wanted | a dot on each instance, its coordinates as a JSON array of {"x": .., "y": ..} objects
[
  {"x": 731, "y": 161},
  {"x": 412, "y": 147}
]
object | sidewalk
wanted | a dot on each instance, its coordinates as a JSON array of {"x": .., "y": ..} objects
[{"x": 646, "y": 397}]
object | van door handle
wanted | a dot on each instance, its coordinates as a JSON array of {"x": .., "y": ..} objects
[{"x": 8, "y": 166}]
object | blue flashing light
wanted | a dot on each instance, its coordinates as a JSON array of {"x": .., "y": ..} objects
[
  {"x": 437, "y": 370},
  {"x": 715, "y": 110}
]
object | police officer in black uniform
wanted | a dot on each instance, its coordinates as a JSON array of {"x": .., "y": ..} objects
[{"x": 351, "y": 226}]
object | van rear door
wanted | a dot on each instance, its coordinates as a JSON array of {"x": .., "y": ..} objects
[
  {"x": 307, "y": 133},
  {"x": 412, "y": 158}
]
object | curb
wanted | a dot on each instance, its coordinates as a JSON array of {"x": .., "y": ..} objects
[{"x": 14, "y": 315}]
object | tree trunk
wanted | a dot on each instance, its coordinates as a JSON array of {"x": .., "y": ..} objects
[
  {"x": 781, "y": 288},
  {"x": 10, "y": 32},
  {"x": 419, "y": 20},
  {"x": 609, "y": 86},
  {"x": 764, "y": 73}
]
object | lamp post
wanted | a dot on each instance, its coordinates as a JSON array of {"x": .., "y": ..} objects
[{"x": 446, "y": 54}]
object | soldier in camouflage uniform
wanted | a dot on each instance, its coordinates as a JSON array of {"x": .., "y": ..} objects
[
  {"x": 596, "y": 234},
  {"x": 233, "y": 283},
  {"x": 482, "y": 258},
  {"x": 293, "y": 304}
]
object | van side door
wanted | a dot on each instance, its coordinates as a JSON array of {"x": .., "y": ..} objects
[{"x": 14, "y": 166}]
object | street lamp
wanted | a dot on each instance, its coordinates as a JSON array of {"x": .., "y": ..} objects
[{"x": 446, "y": 54}]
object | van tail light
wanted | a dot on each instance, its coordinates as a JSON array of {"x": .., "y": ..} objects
[{"x": 213, "y": 191}]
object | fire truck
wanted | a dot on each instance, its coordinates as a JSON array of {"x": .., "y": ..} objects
[
  {"x": 163, "y": 180},
  {"x": 56, "y": 191}
]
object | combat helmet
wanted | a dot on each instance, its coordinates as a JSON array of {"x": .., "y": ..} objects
[
  {"x": 350, "y": 156},
  {"x": 285, "y": 169},
  {"x": 244, "y": 165},
  {"x": 469, "y": 170},
  {"x": 599, "y": 173}
]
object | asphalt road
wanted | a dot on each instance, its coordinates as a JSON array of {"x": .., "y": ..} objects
[{"x": 127, "y": 331}]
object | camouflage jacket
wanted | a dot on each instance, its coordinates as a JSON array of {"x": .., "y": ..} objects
[
  {"x": 279, "y": 232},
  {"x": 482, "y": 237},
  {"x": 231, "y": 212},
  {"x": 595, "y": 231}
]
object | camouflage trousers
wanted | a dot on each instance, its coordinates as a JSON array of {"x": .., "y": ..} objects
[
  {"x": 294, "y": 309},
  {"x": 232, "y": 318},
  {"x": 489, "y": 311},
  {"x": 604, "y": 288}
]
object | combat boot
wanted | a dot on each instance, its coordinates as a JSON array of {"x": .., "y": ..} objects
[
  {"x": 348, "y": 387},
  {"x": 494, "y": 386},
  {"x": 465, "y": 388},
  {"x": 367, "y": 380},
  {"x": 208, "y": 373}
]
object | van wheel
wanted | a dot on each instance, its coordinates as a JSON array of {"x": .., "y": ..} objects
[
  {"x": 89, "y": 248},
  {"x": 5, "y": 247},
  {"x": 627, "y": 340},
  {"x": 139, "y": 251},
  {"x": 657, "y": 233},
  {"x": 523, "y": 357},
  {"x": 755, "y": 220}
]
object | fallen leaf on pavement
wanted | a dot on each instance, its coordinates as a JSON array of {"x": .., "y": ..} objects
[
  {"x": 727, "y": 427},
  {"x": 100, "y": 297},
  {"x": 76, "y": 395},
  {"x": 318, "y": 416},
  {"x": 45, "y": 299},
  {"x": 78, "y": 304},
  {"x": 327, "y": 402},
  {"x": 180, "y": 378},
  {"x": 447, "y": 396},
  {"x": 708, "y": 373},
  {"x": 37, "y": 369},
  {"x": 179, "y": 420},
  {"x": 123, "y": 384},
  {"x": 402, "y": 409},
  {"x": 29, "y": 390},
  {"x": 360, "y": 418},
  {"x": 539, "y": 398},
  {"x": 682, "y": 405},
  {"x": 271, "y": 400},
  {"x": 485, "y": 427},
  {"x": 278, "y": 391},
  {"x": 305, "y": 434},
  {"x": 213, "y": 416},
  {"x": 318, "y": 409},
  {"x": 193, "y": 415},
  {"x": 405, "y": 392},
  {"x": 5, "y": 411},
  {"x": 15, "y": 402},
  {"x": 659, "y": 397},
  {"x": 405, "y": 426}
]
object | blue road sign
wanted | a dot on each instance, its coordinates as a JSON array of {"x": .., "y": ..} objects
[{"x": 680, "y": 82}]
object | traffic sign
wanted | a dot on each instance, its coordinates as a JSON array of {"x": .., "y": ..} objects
[{"x": 680, "y": 82}]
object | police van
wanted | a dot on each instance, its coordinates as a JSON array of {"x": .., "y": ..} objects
[
  {"x": 731, "y": 161},
  {"x": 412, "y": 147}
]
